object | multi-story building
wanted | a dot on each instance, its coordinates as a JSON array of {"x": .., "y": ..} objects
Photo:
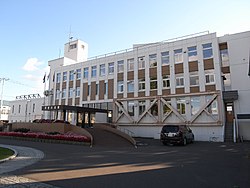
[
  {"x": 199, "y": 80},
  {"x": 4, "y": 111}
]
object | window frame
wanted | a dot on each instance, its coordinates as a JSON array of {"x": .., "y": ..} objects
[
  {"x": 152, "y": 60},
  {"x": 71, "y": 75},
  {"x": 78, "y": 74},
  {"x": 120, "y": 66},
  {"x": 141, "y": 62},
  {"x": 120, "y": 86},
  {"x": 93, "y": 71},
  {"x": 179, "y": 80},
  {"x": 131, "y": 64},
  {"x": 153, "y": 81},
  {"x": 111, "y": 68},
  {"x": 165, "y": 59},
  {"x": 132, "y": 84},
  {"x": 86, "y": 72},
  {"x": 102, "y": 69},
  {"x": 192, "y": 53},
  {"x": 191, "y": 76},
  {"x": 166, "y": 78},
  {"x": 207, "y": 47},
  {"x": 178, "y": 56},
  {"x": 141, "y": 82},
  {"x": 65, "y": 74}
]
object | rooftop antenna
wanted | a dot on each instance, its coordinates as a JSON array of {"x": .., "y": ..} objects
[{"x": 70, "y": 37}]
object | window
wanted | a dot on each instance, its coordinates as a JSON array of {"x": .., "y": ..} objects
[
  {"x": 58, "y": 77},
  {"x": 105, "y": 88},
  {"x": 165, "y": 58},
  {"x": 63, "y": 93},
  {"x": 72, "y": 46},
  {"x": 141, "y": 62},
  {"x": 131, "y": 86},
  {"x": 166, "y": 109},
  {"x": 195, "y": 105},
  {"x": 141, "y": 84},
  {"x": 178, "y": 56},
  {"x": 152, "y": 60},
  {"x": 19, "y": 108},
  {"x": 131, "y": 64},
  {"x": 71, "y": 92},
  {"x": 13, "y": 109},
  {"x": 181, "y": 105},
  {"x": 97, "y": 89},
  {"x": 78, "y": 91},
  {"x": 93, "y": 71},
  {"x": 119, "y": 86},
  {"x": 192, "y": 53},
  {"x": 179, "y": 81},
  {"x": 131, "y": 108},
  {"x": 71, "y": 75},
  {"x": 212, "y": 108},
  {"x": 89, "y": 90},
  {"x": 102, "y": 70},
  {"x": 227, "y": 81},
  {"x": 120, "y": 66},
  {"x": 209, "y": 77},
  {"x": 166, "y": 82},
  {"x": 153, "y": 83},
  {"x": 224, "y": 57},
  {"x": 194, "y": 79},
  {"x": 154, "y": 109},
  {"x": 57, "y": 94},
  {"x": 142, "y": 107},
  {"x": 111, "y": 68},
  {"x": 78, "y": 74},
  {"x": 64, "y": 76},
  {"x": 85, "y": 72},
  {"x": 207, "y": 50}
]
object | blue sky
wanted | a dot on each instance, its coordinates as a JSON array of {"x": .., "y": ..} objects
[{"x": 34, "y": 31}]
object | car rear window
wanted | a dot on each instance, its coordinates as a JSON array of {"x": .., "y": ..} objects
[{"x": 171, "y": 129}]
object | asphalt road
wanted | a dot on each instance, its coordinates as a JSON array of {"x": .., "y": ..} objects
[{"x": 202, "y": 164}]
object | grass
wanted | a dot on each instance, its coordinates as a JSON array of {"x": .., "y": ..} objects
[{"x": 4, "y": 153}]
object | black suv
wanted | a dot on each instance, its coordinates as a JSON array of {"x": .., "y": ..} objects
[{"x": 176, "y": 134}]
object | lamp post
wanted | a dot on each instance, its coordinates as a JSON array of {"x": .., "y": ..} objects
[{"x": 2, "y": 80}]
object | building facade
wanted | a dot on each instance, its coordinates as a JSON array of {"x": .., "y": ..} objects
[{"x": 199, "y": 80}]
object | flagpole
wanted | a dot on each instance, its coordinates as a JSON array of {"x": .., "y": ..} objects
[{"x": 44, "y": 81}]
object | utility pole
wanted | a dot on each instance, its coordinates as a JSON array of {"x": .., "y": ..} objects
[{"x": 2, "y": 80}]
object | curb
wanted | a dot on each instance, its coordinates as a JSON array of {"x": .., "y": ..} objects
[{"x": 10, "y": 157}]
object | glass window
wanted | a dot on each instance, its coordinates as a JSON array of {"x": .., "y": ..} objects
[
  {"x": 111, "y": 68},
  {"x": 130, "y": 85},
  {"x": 78, "y": 74},
  {"x": 166, "y": 109},
  {"x": 78, "y": 90},
  {"x": 85, "y": 72},
  {"x": 93, "y": 71},
  {"x": 70, "y": 92},
  {"x": 105, "y": 88},
  {"x": 120, "y": 66},
  {"x": 224, "y": 57},
  {"x": 141, "y": 84},
  {"x": 33, "y": 108},
  {"x": 102, "y": 70},
  {"x": 71, "y": 75},
  {"x": 19, "y": 108},
  {"x": 153, "y": 83},
  {"x": 207, "y": 50},
  {"x": 227, "y": 81},
  {"x": 154, "y": 109},
  {"x": 131, "y": 64},
  {"x": 194, "y": 79},
  {"x": 141, "y": 62},
  {"x": 181, "y": 105},
  {"x": 120, "y": 87},
  {"x": 178, "y": 56},
  {"x": 63, "y": 93},
  {"x": 89, "y": 90},
  {"x": 152, "y": 60},
  {"x": 131, "y": 108},
  {"x": 166, "y": 82},
  {"x": 195, "y": 105},
  {"x": 58, "y": 77},
  {"x": 165, "y": 58},
  {"x": 142, "y": 107},
  {"x": 209, "y": 77},
  {"x": 192, "y": 53},
  {"x": 97, "y": 89},
  {"x": 213, "y": 108},
  {"x": 179, "y": 81},
  {"x": 64, "y": 76},
  {"x": 57, "y": 94}
]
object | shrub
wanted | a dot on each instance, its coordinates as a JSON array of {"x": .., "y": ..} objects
[{"x": 22, "y": 130}]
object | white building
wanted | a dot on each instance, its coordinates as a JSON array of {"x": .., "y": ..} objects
[
  {"x": 4, "y": 111},
  {"x": 26, "y": 109},
  {"x": 199, "y": 80}
]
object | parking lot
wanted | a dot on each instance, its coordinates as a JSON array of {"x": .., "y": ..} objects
[{"x": 202, "y": 164}]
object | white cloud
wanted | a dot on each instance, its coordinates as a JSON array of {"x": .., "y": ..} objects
[{"x": 32, "y": 64}]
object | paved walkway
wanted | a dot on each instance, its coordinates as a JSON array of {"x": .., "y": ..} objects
[{"x": 26, "y": 156}]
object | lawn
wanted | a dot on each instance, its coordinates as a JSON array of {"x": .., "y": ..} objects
[{"x": 4, "y": 153}]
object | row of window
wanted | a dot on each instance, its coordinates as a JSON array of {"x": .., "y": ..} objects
[
  {"x": 180, "y": 103},
  {"x": 19, "y": 108},
  {"x": 165, "y": 59}
]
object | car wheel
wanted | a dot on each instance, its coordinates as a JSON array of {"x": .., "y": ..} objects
[{"x": 184, "y": 142}]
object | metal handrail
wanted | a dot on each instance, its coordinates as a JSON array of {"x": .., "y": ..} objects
[{"x": 126, "y": 131}]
